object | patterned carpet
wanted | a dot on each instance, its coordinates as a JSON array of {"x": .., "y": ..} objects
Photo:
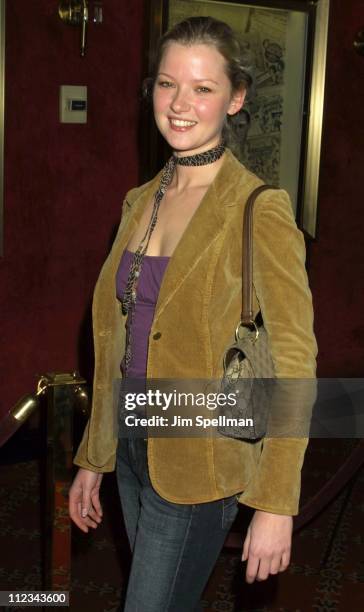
[{"x": 326, "y": 572}]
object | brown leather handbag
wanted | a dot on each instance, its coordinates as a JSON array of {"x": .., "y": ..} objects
[{"x": 248, "y": 365}]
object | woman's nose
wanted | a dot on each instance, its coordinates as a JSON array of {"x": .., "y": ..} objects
[{"x": 180, "y": 102}]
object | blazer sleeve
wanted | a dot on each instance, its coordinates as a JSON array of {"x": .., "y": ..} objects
[
  {"x": 81, "y": 456},
  {"x": 285, "y": 300}
]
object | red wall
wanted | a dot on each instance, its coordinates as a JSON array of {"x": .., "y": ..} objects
[
  {"x": 65, "y": 183},
  {"x": 337, "y": 257}
]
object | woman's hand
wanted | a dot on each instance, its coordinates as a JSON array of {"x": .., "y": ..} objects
[
  {"x": 267, "y": 545},
  {"x": 84, "y": 502}
]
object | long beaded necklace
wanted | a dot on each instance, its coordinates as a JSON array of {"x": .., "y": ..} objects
[{"x": 130, "y": 293}]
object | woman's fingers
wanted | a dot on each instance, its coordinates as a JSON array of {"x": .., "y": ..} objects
[
  {"x": 252, "y": 567},
  {"x": 75, "y": 514},
  {"x": 84, "y": 502},
  {"x": 260, "y": 567},
  {"x": 284, "y": 563},
  {"x": 246, "y": 546},
  {"x": 94, "y": 515},
  {"x": 81, "y": 522},
  {"x": 267, "y": 545},
  {"x": 87, "y": 521},
  {"x": 96, "y": 503},
  {"x": 275, "y": 564},
  {"x": 264, "y": 568}
]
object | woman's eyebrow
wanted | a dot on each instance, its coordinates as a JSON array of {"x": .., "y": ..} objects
[
  {"x": 194, "y": 80},
  {"x": 211, "y": 80},
  {"x": 165, "y": 74}
]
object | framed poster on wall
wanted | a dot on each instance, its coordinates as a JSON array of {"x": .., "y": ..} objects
[{"x": 287, "y": 43}]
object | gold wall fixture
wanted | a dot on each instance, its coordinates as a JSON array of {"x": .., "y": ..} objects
[
  {"x": 75, "y": 12},
  {"x": 359, "y": 42}
]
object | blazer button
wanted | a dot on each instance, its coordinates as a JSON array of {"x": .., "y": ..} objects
[{"x": 157, "y": 335}]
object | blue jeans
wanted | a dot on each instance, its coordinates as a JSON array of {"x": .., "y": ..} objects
[{"x": 174, "y": 546}]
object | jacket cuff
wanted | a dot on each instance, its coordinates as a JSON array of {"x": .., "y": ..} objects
[
  {"x": 81, "y": 457},
  {"x": 275, "y": 486}
]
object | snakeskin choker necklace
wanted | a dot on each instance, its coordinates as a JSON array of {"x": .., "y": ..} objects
[{"x": 129, "y": 297}]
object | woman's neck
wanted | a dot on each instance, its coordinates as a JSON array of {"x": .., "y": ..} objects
[{"x": 190, "y": 177}]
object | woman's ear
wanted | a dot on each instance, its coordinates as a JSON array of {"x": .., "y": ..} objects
[{"x": 237, "y": 101}]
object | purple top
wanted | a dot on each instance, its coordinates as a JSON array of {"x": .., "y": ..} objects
[{"x": 149, "y": 283}]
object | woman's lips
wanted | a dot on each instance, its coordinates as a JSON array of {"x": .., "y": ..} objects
[{"x": 181, "y": 125}]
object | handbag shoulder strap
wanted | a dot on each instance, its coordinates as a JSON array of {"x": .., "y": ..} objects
[{"x": 247, "y": 255}]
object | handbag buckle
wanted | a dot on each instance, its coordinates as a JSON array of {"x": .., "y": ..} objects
[{"x": 241, "y": 324}]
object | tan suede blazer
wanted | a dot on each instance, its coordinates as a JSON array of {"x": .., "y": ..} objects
[{"x": 196, "y": 315}]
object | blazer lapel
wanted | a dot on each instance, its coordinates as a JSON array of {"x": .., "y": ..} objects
[
  {"x": 203, "y": 229},
  {"x": 136, "y": 206}
]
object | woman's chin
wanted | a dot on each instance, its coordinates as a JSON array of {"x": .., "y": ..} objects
[{"x": 183, "y": 143}]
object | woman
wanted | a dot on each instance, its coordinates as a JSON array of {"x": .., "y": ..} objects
[{"x": 177, "y": 264}]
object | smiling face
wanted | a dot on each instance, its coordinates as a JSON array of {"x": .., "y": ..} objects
[{"x": 192, "y": 96}]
